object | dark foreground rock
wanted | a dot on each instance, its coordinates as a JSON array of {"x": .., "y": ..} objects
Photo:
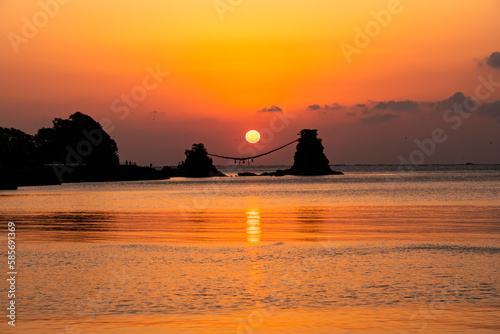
[
  {"x": 197, "y": 163},
  {"x": 12, "y": 177},
  {"x": 7, "y": 183},
  {"x": 246, "y": 174},
  {"x": 309, "y": 158},
  {"x": 19, "y": 176},
  {"x": 112, "y": 173},
  {"x": 279, "y": 172}
]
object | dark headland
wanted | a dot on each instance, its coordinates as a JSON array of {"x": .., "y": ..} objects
[{"x": 76, "y": 149}]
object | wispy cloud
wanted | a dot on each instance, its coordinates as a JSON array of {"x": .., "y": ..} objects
[
  {"x": 374, "y": 112},
  {"x": 326, "y": 107},
  {"x": 396, "y": 105},
  {"x": 456, "y": 99},
  {"x": 273, "y": 108},
  {"x": 314, "y": 107}
]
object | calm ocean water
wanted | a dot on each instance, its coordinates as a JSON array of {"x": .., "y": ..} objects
[{"x": 377, "y": 250}]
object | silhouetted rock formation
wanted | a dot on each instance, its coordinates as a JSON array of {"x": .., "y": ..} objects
[
  {"x": 198, "y": 163},
  {"x": 309, "y": 158}
]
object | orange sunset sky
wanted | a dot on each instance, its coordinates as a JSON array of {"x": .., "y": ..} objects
[{"x": 274, "y": 66}]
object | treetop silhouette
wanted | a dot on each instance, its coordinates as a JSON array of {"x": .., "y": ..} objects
[
  {"x": 198, "y": 163},
  {"x": 67, "y": 134}
]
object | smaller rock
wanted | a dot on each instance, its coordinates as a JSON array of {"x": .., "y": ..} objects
[{"x": 247, "y": 174}]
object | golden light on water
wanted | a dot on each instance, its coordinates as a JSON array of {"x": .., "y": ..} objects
[
  {"x": 252, "y": 136},
  {"x": 253, "y": 225}
]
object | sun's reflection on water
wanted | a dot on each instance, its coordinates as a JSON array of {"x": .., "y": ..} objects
[{"x": 253, "y": 225}]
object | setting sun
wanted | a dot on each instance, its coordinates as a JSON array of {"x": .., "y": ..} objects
[{"x": 252, "y": 136}]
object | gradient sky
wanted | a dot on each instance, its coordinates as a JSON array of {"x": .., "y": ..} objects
[{"x": 246, "y": 66}]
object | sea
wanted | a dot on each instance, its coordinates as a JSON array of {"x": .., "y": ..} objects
[{"x": 380, "y": 249}]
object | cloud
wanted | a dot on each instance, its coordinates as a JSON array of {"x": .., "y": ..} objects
[
  {"x": 396, "y": 105},
  {"x": 490, "y": 109},
  {"x": 273, "y": 108},
  {"x": 314, "y": 107},
  {"x": 379, "y": 118},
  {"x": 326, "y": 107},
  {"x": 374, "y": 112},
  {"x": 334, "y": 106},
  {"x": 493, "y": 60},
  {"x": 458, "y": 98}
]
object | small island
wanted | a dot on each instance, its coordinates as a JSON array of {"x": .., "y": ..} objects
[{"x": 197, "y": 163}]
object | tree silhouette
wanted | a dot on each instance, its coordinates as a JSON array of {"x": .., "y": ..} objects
[{"x": 16, "y": 147}]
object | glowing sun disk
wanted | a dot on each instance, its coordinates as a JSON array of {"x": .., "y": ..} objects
[{"x": 252, "y": 136}]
